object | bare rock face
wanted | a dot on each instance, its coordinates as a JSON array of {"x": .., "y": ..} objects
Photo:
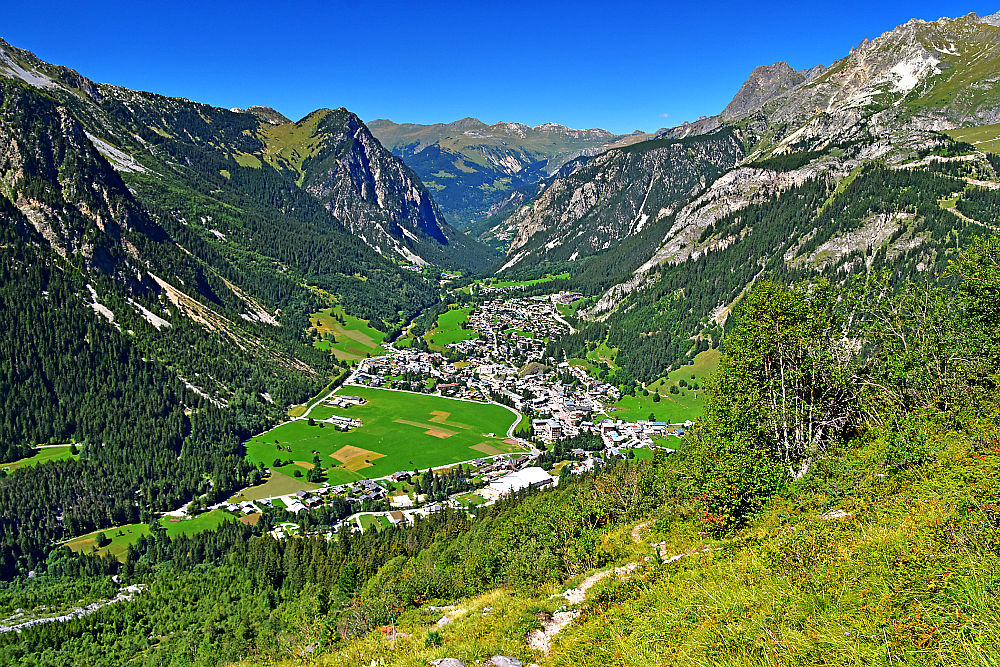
[
  {"x": 617, "y": 195},
  {"x": 377, "y": 196},
  {"x": 764, "y": 83},
  {"x": 505, "y": 661},
  {"x": 446, "y": 662}
]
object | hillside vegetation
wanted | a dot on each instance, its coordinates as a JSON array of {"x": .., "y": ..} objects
[{"x": 837, "y": 504}]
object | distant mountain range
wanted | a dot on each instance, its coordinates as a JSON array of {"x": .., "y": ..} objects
[{"x": 471, "y": 166}]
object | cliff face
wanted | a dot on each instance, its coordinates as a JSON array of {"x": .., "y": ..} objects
[
  {"x": 379, "y": 198},
  {"x": 765, "y": 83},
  {"x": 54, "y": 175},
  {"x": 616, "y": 195}
]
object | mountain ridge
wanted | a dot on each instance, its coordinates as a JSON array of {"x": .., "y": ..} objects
[{"x": 471, "y": 166}]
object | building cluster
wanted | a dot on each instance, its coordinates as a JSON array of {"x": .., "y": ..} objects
[
  {"x": 566, "y": 298},
  {"x": 505, "y": 362},
  {"x": 376, "y": 371},
  {"x": 340, "y": 401},
  {"x": 533, "y": 316}
]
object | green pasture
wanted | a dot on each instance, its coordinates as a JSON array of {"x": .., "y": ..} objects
[
  {"x": 278, "y": 483},
  {"x": 122, "y": 537},
  {"x": 41, "y": 455},
  {"x": 448, "y": 327},
  {"x": 400, "y": 431},
  {"x": 983, "y": 137},
  {"x": 353, "y": 340},
  {"x": 370, "y": 520},
  {"x": 685, "y": 405}
]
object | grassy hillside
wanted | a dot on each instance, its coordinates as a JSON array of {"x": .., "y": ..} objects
[
  {"x": 687, "y": 403},
  {"x": 353, "y": 338},
  {"x": 41, "y": 455},
  {"x": 448, "y": 328},
  {"x": 855, "y": 564},
  {"x": 122, "y": 537}
]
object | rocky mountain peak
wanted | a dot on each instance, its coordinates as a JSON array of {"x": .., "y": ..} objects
[
  {"x": 992, "y": 19},
  {"x": 764, "y": 83},
  {"x": 266, "y": 114}
]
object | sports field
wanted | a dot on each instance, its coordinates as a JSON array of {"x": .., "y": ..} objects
[
  {"x": 354, "y": 338},
  {"x": 400, "y": 431}
]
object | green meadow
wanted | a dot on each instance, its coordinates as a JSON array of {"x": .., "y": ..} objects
[
  {"x": 41, "y": 455},
  {"x": 123, "y": 537},
  {"x": 682, "y": 406},
  {"x": 353, "y": 339},
  {"x": 400, "y": 431},
  {"x": 448, "y": 327}
]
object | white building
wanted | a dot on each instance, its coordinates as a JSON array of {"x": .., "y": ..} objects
[{"x": 518, "y": 481}]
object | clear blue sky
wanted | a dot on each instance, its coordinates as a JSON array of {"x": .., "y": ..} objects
[{"x": 618, "y": 65}]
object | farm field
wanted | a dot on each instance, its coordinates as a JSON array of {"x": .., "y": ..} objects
[
  {"x": 448, "y": 327},
  {"x": 125, "y": 536},
  {"x": 673, "y": 408},
  {"x": 354, "y": 339},
  {"x": 278, "y": 484},
  {"x": 401, "y": 431},
  {"x": 41, "y": 455}
]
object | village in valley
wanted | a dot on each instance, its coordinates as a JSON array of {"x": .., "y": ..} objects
[
  {"x": 501, "y": 360},
  {"x": 479, "y": 414}
]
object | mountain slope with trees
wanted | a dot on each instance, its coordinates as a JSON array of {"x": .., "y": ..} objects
[
  {"x": 836, "y": 504},
  {"x": 856, "y": 153}
]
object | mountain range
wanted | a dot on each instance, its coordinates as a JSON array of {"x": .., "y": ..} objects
[
  {"x": 637, "y": 223},
  {"x": 473, "y": 168}
]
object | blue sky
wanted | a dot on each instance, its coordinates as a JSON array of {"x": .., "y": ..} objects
[{"x": 622, "y": 66}]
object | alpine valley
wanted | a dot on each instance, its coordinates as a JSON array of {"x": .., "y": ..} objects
[{"x": 327, "y": 392}]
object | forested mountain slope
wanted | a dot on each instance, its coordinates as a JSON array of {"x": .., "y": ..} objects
[
  {"x": 155, "y": 290},
  {"x": 836, "y": 505},
  {"x": 363, "y": 187},
  {"x": 836, "y": 170}
]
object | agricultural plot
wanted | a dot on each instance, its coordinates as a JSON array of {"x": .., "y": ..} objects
[
  {"x": 400, "y": 431},
  {"x": 682, "y": 406},
  {"x": 278, "y": 484},
  {"x": 352, "y": 338},
  {"x": 41, "y": 455}
]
